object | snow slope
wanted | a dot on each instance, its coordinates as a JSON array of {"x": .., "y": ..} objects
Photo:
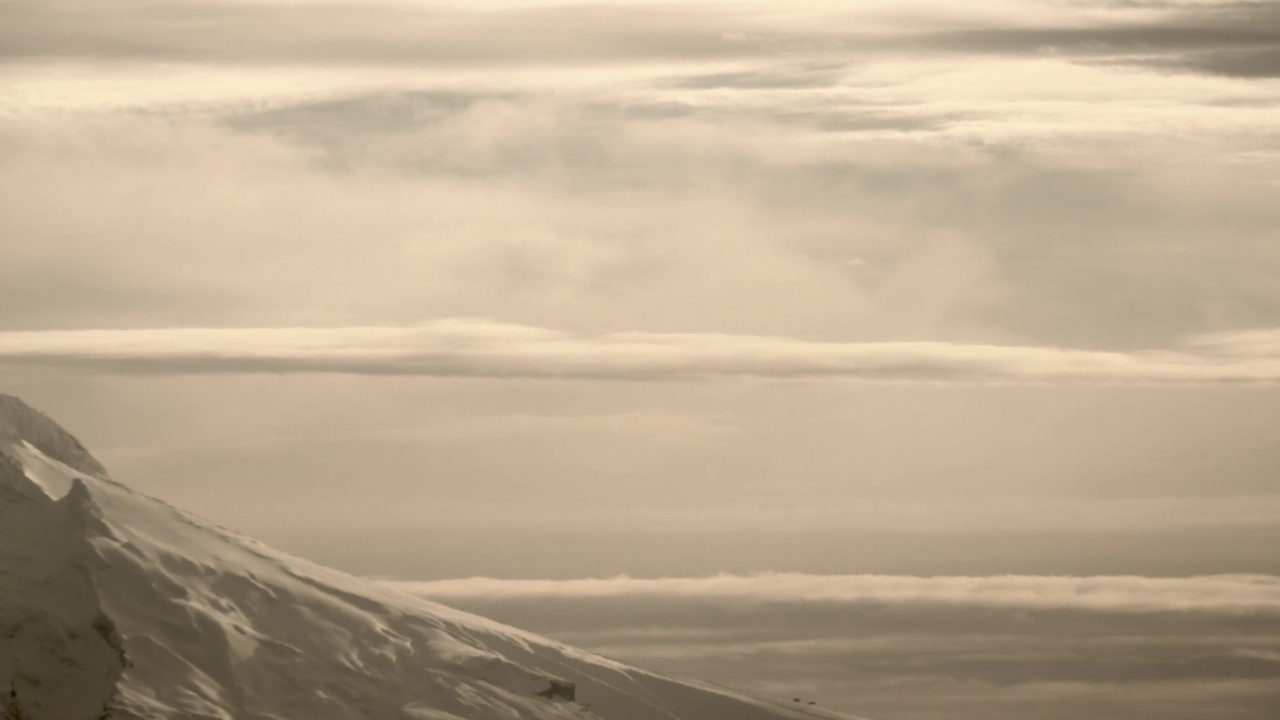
[{"x": 114, "y": 604}]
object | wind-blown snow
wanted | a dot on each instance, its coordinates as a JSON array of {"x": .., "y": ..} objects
[{"x": 114, "y": 602}]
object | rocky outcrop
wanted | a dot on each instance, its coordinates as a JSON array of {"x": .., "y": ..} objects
[{"x": 560, "y": 690}]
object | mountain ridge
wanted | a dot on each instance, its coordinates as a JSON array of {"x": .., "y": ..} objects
[
  {"x": 117, "y": 605},
  {"x": 18, "y": 420}
]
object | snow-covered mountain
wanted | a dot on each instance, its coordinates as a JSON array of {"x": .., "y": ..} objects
[{"x": 116, "y": 605}]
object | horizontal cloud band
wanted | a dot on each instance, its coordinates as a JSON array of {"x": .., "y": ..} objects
[
  {"x": 1231, "y": 593},
  {"x": 472, "y": 348}
]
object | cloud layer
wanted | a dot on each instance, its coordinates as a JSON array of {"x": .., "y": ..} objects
[
  {"x": 1230, "y": 593},
  {"x": 1228, "y": 38},
  {"x": 466, "y": 348}
]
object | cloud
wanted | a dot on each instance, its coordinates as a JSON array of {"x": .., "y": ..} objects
[
  {"x": 988, "y": 191},
  {"x": 404, "y": 33},
  {"x": 476, "y": 348},
  {"x": 1220, "y": 593},
  {"x": 380, "y": 32}
]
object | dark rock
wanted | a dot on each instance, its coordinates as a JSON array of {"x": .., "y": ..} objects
[{"x": 560, "y": 690}]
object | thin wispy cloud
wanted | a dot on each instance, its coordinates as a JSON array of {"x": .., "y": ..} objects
[
  {"x": 1241, "y": 593},
  {"x": 465, "y": 348}
]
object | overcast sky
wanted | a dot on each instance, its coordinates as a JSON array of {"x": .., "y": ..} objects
[
  {"x": 551, "y": 291},
  {"x": 661, "y": 288}
]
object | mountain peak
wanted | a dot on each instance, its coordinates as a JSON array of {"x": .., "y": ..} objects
[
  {"x": 21, "y": 422},
  {"x": 115, "y": 604}
]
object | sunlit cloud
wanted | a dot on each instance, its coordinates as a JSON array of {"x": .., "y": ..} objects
[{"x": 470, "y": 348}]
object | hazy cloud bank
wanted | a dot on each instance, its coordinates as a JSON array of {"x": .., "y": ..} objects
[
  {"x": 907, "y": 648},
  {"x": 467, "y": 348}
]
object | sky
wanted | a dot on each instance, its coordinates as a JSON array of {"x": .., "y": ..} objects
[{"x": 556, "y": 291}]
